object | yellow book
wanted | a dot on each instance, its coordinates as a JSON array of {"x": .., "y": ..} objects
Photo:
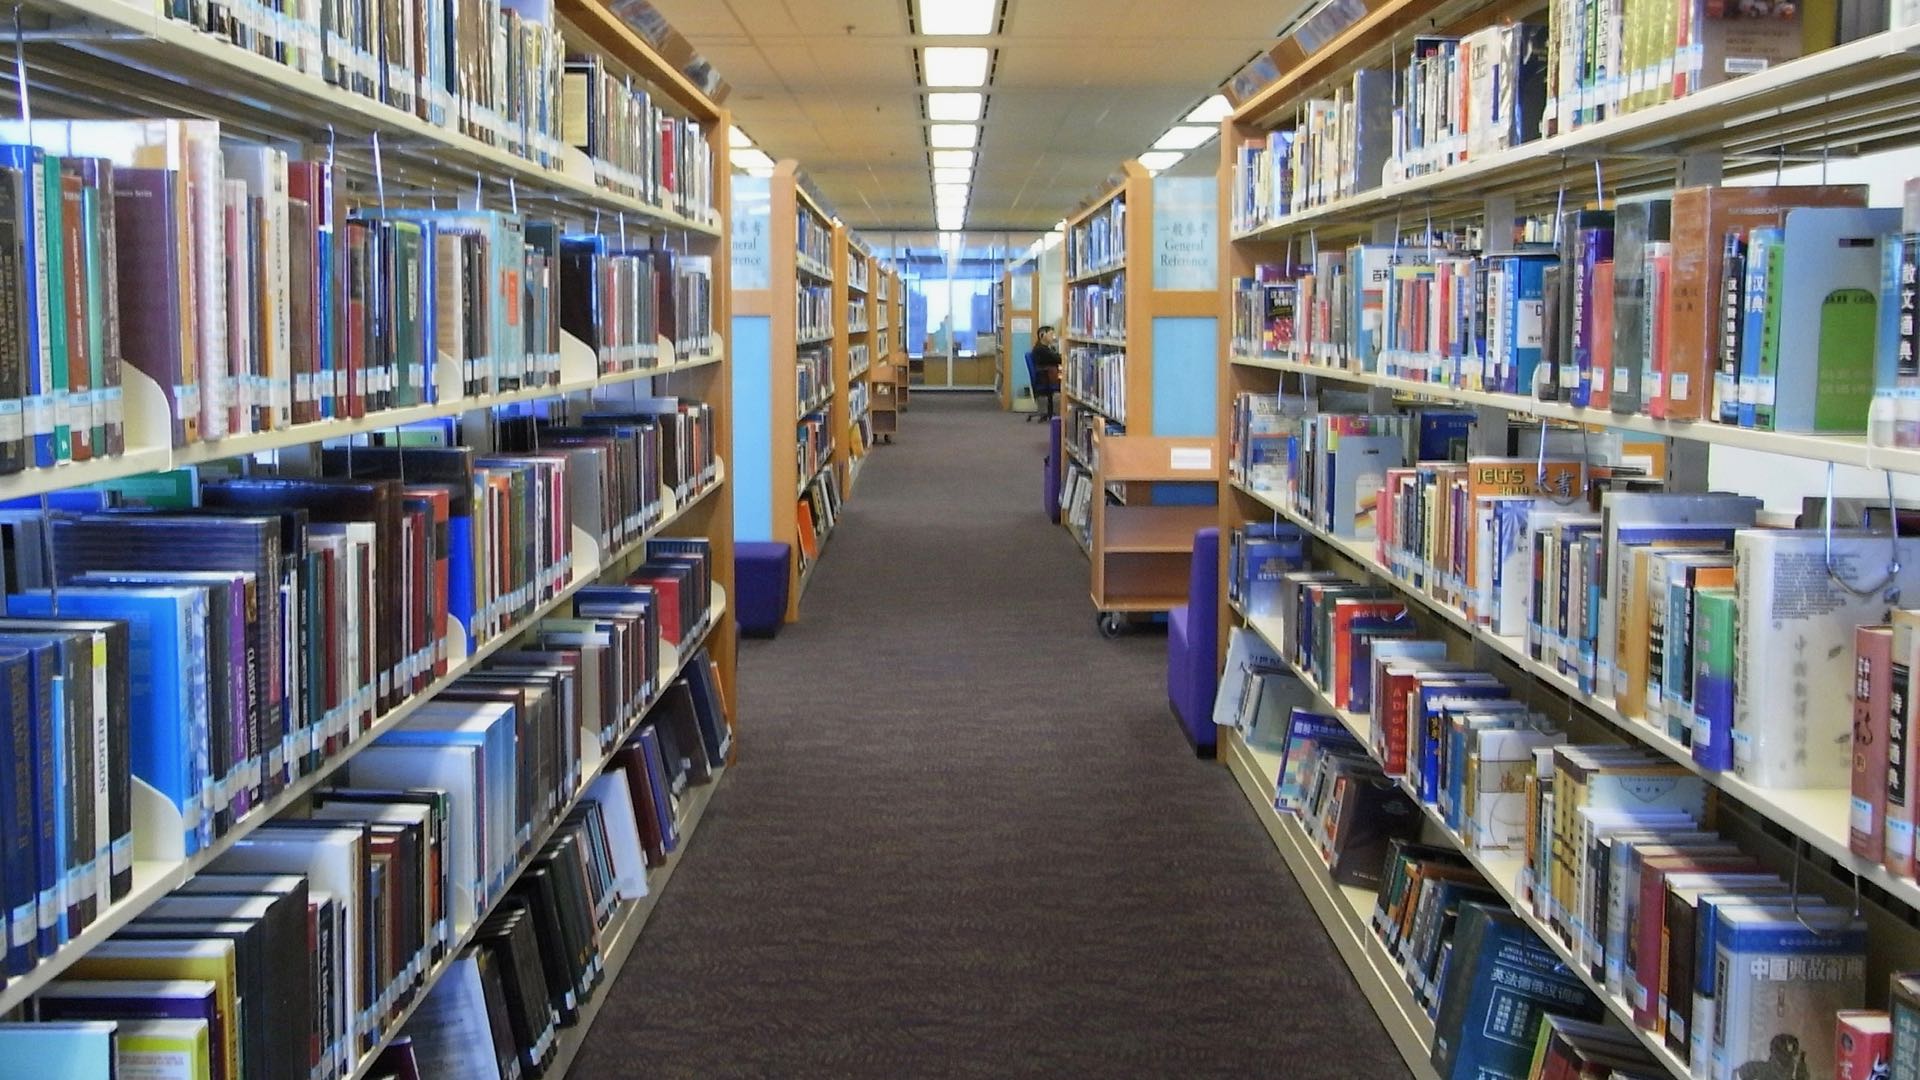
[
  {"x": 164, "y": 1050},
  {"x": 211, "y": 960}
]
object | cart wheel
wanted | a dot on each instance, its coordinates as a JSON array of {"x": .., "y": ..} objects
[{"x": 1112, "y": 624}]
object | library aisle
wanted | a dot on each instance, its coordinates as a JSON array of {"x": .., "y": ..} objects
[{"x": 964, "y": 838}]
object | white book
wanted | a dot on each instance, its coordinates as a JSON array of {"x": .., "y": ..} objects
[
  {"x": 1793, "y": 659},
  {"x": 615, "y": 797}
]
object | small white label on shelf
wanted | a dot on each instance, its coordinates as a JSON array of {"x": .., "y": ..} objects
[{"x": 1191, "y": 459}]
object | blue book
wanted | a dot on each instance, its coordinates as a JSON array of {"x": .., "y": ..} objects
[
  {"x": 77, "y": 500},
  {"x": 18, "y": 873},
  {"x": 74, "y": 1049},
  {"x": 661, "y": 787},
  {"x": 1753, "y": 307},
  {"x": 38, "y": 407},
  {"x": 1307, "y": 734},
  {"x": 1443, "y": 434},
  {"x": 169, "y": 754},
  {"x": 1436, "y": 699},
  {"x": 1502, "y": 980},
  {"x": 1266, "y": 561},
  {"x": 1526, "y": 289},
  {"x": 46, "y": 797}
]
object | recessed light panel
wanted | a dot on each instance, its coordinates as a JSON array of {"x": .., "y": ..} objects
[
  {"x": 965, "y": 107},
  {"x": 1184, "y": 138},
  {"x": 945, "y": 65},
  {"x": 1211, "y": 111},
  {"x": 1160, "y": 160},
  {"x": 971, "y": 18},
  {"x": 953, "y": 136},
  {"x": 953, "y": 159}
]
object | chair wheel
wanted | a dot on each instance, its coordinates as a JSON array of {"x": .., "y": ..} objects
[{"x": 1111, "y": 623}]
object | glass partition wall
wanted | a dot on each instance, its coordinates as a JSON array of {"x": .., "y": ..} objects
[{"x": 954, "y": 337}]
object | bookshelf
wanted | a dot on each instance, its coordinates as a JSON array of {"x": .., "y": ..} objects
[
  {"x": 139, "y": 63},
  {"x": 1137, "y": 343},
  {"x": 1020, "y": 287},
  {"x": 856, "y": 284},
  {"x": 1795, "y": 106},
  {"x": 790, "y": 334}
]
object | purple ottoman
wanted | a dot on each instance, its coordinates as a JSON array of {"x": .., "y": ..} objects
[
  {"x": 1193, "y": 642},
  {"x": 761, "y": 569},
  {"x": 1050, "y": 480}
]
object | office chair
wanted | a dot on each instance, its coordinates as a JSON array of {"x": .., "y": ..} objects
[{"x": 1039, "y": 391}]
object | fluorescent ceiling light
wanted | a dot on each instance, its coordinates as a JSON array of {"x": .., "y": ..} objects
[
  {"x": 966, "y": 105},
  {"x": 947, "y": 66},
  {"x": 737, "y": 138},
  {"x": 1160, "y": 160},
  {"x": 951, "y": 220},
  {"x": 1184, "y": 138},
  {"x": 953, "y": 159},
  {"x": 751, "y": 158},
  {"x": 972, "y": 18},
  {"x": 952, "y": 176},
  {"x": 1211, "y": 111},
  {"x": 953, "y": 136},
  {"x": 950, "y": 193}
]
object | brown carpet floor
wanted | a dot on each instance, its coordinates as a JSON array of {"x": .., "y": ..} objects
[{"x": 965, "y": 838}]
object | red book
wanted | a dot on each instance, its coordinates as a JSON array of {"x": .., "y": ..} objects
[
  {"x": 1649, "y": 929},
  {"x": 1872, "y": 681},
  {"x": 440, "y": 504},
  {"x": 1600, "y": 393},
  {"x": 1862, "y": 1045},
  {"x": 1345, "y": 611}
]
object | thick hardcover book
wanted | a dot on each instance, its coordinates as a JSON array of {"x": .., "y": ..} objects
[
  {"x": 1702, "y": 217},
  {"x": 1636, "y": 222},
  {"x": 152, "y": 325},
  {"x": 14, "y": 329},
  {"x": 1500, "y": 984}
]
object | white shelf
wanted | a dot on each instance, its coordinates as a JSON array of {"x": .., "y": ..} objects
[
  {"x": 155, "y": 879},
  {"x": 1840, "y": 449},
  {"x": 1502, "y": 870},
  {"x": 1345, "y": 911},
  {"x": 623, "y": 931},
  {"x": 672, "y": 662},
  {"x": 136, "y": 46},
  {"x": 1817, "y": 815}
]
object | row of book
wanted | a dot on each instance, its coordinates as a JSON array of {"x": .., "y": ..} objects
[
  {"x": 1100, "y": 242},
  {"x": 1077, "y": 431},
  {"x": 1327, "y": 466},
  {"x": 475, "y": 821},
  {"x": 271, "y": 619},
  {"x": 813, "y": 311},
  {"x": 1098, "y": 310},
  {"x": 817, "y": 512},
  {"x": 1459, "y": 99},
  {"x": 1076, "y": 503},
  {"x": 813, "y": 238},
  {"x": 1616, "y": 844},
  {"x": 1775, "y": 308},
  {"x": 813, "y": 446},
  {"x": 622, "y": 303},
  {"x": 859, "y": 273},
  {"x": 813, "y": 378},
  {"x": 857, "y": 316},
  {"x": 1502, "y": 1001},
  {"x": 238, "y": 282},
  {"x": 859, "y": 359},
  {"x": 1625, "y": 590},
  {"x": 499, "y": 71},
  {"x": 1097, "y": 376},
  {"x": 636, "y": 146}
]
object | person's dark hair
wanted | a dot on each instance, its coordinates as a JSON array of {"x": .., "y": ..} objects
[{"x": 1047, "y": 329}]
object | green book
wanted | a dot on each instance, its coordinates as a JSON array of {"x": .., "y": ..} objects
[
  {"x": 405, "y": 342},
  {"x": 1715, "y": 616},
  {"x": 1843, "y": 385},
  {"x": 56, "y": 325},
  {"x": 1770, "y": 336},
  {"x": 96, "y": 286}
]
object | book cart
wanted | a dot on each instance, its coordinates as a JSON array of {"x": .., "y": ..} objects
[
  {"x": 1136, "y": 346},
  {"x": 1839, "y": 101},
  {"x": 1142, "y": 550},
  {"x": 121, "y": 59}
]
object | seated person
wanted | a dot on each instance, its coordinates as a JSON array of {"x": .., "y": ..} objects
[{"x": 1046, "y": 359}]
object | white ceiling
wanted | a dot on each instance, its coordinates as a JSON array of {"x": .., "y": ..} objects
[{"x": 1078, "y": 87}]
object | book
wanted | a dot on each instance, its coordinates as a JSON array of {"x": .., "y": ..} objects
[
  {"x": 1793, "y": 684},
  {"x": 1500, "y": 985}
]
